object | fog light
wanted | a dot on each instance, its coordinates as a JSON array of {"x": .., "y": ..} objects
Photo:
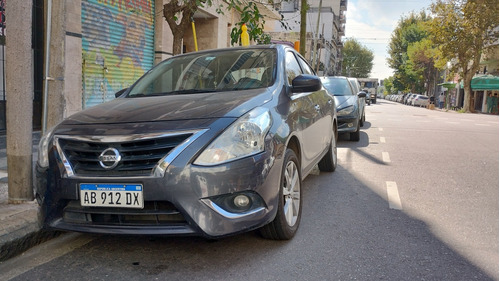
[
  {"x": 350, "y": 125},
  {"x": 241, "y": 201}
]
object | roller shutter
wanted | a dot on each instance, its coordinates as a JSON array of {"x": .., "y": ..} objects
[{"x": 117, "y": 44}]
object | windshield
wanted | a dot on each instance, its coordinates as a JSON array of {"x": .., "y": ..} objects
[
  {"x": 369, "y": 84},
  {"x": 337, "y": 86},
  {"x": 209, "y": 72}
]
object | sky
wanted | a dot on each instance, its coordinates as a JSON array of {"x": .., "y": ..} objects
[{"x": 371, "y": 22}]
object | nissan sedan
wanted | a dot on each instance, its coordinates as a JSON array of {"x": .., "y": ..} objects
[{"x": 210, "y": 143}]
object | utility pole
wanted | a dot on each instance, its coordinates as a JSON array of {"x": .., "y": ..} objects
[
  {"x": 303, "y": 26},
  {"x": 19, "y": 92},
  {"x": 315, "y": 45}
]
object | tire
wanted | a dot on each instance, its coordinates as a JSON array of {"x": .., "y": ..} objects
[
  {"x": 329, "y": 162},
  {"x": 355, "y": 135},
  {"x": 362, "y": 121},
  {"x": 287, "y": 220}
]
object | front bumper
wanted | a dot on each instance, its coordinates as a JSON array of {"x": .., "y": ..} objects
[
  {"x": 347, "y": 124},
  {"x": 185, "y": 201}
]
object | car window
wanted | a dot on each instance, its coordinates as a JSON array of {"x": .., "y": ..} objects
[
  {"x": 355, "y": 85},
  {"x": 209, "y": 72},
  {"x": 292, "y": 67},
  {"x": 337, "y": 86},
  {"x": 305, "y": 67}
]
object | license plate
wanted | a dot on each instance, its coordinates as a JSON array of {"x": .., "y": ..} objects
[{"x": 112, "y": 195}]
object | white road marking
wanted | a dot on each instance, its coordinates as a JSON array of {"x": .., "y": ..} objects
[
  {"x": 382, "y": 139},
  {"x": 449, "y": 122},
  {"x": 381, "y": 129},
  {"x": 393, "y": 196},
  {"x": 485, "y": 125},
  {"x": 385, "y": 157},
  {"x": 42, "y": 254}
]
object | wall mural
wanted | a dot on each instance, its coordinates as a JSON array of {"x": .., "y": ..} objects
[{"x": 117, "y": 43}]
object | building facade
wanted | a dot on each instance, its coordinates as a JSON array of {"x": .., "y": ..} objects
[
  {"x": 325, "y": 29},
  {"x": 98, "y": 47}
]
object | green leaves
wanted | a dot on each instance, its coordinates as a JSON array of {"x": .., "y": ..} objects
[
  {"x": 463, "y": 30},
  {"x": 357, "y": 59},
  {"x": 253, "y": 19}
]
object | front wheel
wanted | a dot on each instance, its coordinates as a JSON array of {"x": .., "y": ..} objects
[
  {"x": 355, "y": 135},
  {"x": 287, "y": 220}
]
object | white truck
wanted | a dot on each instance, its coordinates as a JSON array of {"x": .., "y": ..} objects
[{"x": 370, "y": 86}]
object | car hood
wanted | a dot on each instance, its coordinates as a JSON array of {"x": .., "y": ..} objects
[
  {"x": 344, "y": 101},
  {"x": 175, "y": 107}
]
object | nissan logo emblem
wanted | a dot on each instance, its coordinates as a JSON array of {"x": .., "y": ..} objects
[{"x": 109, "y": 158}]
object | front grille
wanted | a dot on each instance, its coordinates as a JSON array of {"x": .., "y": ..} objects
[
  {"x": 138, "y": 157},
  {"x": 155, "y": 213}
]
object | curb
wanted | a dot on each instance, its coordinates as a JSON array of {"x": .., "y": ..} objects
[{"x": 26, "y": 239}]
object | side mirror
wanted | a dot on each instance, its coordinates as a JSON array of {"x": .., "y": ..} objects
[
  {"x": 306, "y": 83},
  {"x": 362, "y": 94},
  {"x": 120, "y": 92}
]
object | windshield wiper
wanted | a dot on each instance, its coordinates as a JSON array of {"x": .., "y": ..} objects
[
  {"x": 190, "y": 91},
  {"x": 178, "y": 92},
  {"x": 141, "y": 95}
]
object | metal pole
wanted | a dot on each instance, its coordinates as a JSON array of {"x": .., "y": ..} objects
[
  {"x": 47, "y": 60},
  {"x": 313, "y": 61}
]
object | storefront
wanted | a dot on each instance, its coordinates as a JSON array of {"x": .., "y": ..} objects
[
  {"x": 485, "y": 93},
  {"x": 117, "y": 45}
]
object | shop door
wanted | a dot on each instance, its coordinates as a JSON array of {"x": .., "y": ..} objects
[{"x": 117, "y": 44}]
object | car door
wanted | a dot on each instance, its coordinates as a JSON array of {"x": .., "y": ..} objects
[{"x": 314, "y": 118}]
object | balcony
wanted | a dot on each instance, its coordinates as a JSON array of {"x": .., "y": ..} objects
[
  {"x": 343, "y": 5},
  {"x": 342, "y": 18}
]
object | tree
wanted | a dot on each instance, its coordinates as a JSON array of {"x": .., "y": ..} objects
[
  {"x": 463, "y": 30},
  {"x": 422, "y": 63},
  {"x": 357, "y": 59},
  {"x": 179, "y": 15},
  {"x": 388, "y": 88},
  {"x": 171, "y": 11},
  {"x": 409, "y": 30}
]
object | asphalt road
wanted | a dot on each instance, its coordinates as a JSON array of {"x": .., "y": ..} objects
[{"x": 415, "y": 199}]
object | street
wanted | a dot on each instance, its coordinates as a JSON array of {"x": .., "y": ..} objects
[{"x": 415, "y": 199}]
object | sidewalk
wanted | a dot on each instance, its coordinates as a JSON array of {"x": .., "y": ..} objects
[{"x": 19, "y": 229}]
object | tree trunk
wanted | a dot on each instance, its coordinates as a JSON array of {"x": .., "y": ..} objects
[
  {"x": 468, "y": 106},
  {"x": 170, "y": 10}
]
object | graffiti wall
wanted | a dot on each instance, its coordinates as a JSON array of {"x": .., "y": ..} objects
[
  {"x": 118, "y": 46},
  {"x": 2, "y": 17}
]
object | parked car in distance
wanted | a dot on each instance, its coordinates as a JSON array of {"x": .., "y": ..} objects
[
  {"x": 420, "y": 100},
  {"x": 348, "y": 102},
  {"x": 209, "y": 143},
  {"x": 362, "y": 100},
  {"x": 410, "y": 98}
]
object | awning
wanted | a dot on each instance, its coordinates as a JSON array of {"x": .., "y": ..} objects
[
  {"x": 448, "y": 85},
  {"x": 486, "y": 82},
  {"x": 483, "y": 82}
]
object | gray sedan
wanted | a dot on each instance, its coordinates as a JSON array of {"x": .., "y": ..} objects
[
  {"x": 210, "y": 143},
  {"x": 350, "y": 105}
]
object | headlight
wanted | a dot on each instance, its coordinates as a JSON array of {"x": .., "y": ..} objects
[
  {"x": 346, "y": 111},
  {"x": 243, "y": 138},
  {"x": 43, "y": 149}
]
